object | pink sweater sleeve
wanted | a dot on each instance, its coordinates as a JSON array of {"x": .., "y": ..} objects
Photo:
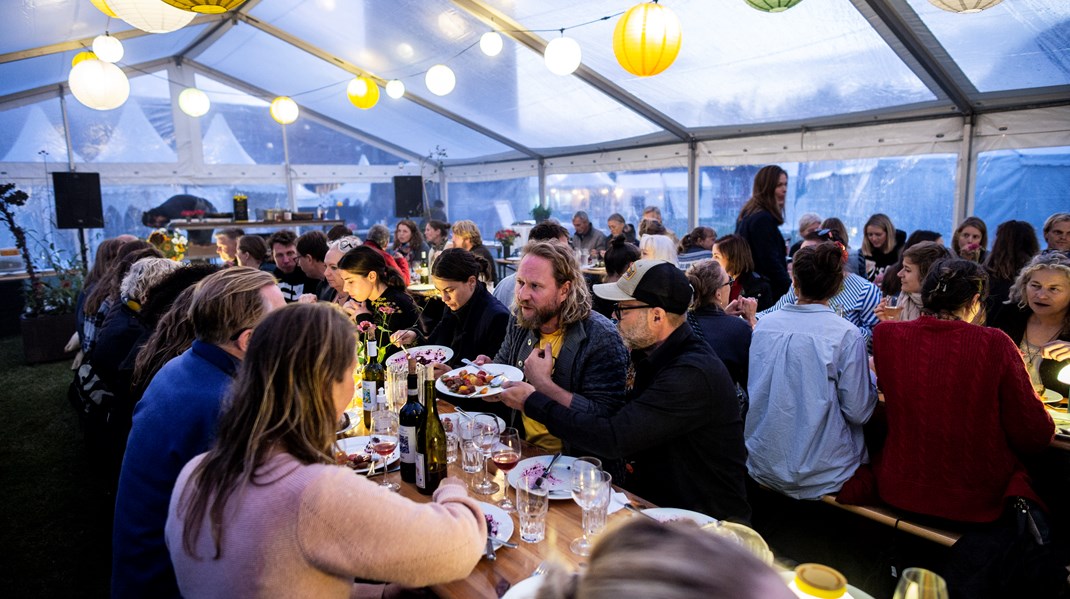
[{"x": 350, "y": 527}]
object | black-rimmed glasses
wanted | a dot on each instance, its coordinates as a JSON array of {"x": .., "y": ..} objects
[{"x": 618, "y": 310}]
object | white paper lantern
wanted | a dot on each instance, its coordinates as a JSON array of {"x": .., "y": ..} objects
[
  {"x": 108, "y": 48},
  {"x": 964, "y": 6},
  {"x": 284, "y": 110},
  {"x": 194, "y": 102},
  {"x": 440, "y": 80},
  {"x": 395, "y": 88},
  {"x": 99, "y": 85},
  {"x": 491, "y": 43},
  {"x": 152, "y": 16},
  {"x": 562, "y": 56}
]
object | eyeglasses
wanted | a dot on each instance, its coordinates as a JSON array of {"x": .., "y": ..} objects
[
  {"x": 618, "y": 310},
  {"x": 345, "y": 244},
  {"x": 730, "y": 281}
]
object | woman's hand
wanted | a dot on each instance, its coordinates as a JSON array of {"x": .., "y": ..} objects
[
  {"x": 1057, "y": 350},
  {"x": 307, "y": 298},
  {"x": 355, "y": 308},
  {"x": 883, "y": 314},
  {"x": 482, "y": 359},
  {"x": 405, "y": 337},
  {"x": 744, "y": 307}
]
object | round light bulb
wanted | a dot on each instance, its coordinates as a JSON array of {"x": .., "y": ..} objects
[
  {"x": 491, "y": 43},
  {"x": 284, "y": 110},
  {"x": 99, "y": 85},
  {"x": 194, "y": 102},
  {"x": 440, "y": 80},
  {"x": 562, "y": 56},
  {"x": 395, "y": 88},
  {"x": 363, "y": 92},
  {"x": 108, "y": 48}
]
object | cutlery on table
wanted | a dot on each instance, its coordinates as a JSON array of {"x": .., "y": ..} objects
[
  {"x": 489, "y": 551},
  {"x": 502, "y": 543},
  {"x": 542, "y": 477}
]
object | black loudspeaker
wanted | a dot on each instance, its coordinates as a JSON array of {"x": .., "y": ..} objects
[
  {"x": 408, "y": 197},
  {"x": 78, "y": 203}
]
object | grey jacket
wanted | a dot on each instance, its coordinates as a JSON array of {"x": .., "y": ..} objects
[{"x": 592, "y": 363}]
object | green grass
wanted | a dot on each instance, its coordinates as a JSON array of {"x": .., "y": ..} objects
[{"x": 55, "y": 527}]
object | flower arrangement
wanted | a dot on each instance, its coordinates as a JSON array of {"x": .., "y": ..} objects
[
  {"x": 172, "y": 245},
  {"x": 376, "y": 329},
  {"x": 506, "y": 236}
]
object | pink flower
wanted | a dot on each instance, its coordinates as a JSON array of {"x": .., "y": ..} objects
[
  {"x": 386, "y": 309},
  {"x": 365, "y": 327}
]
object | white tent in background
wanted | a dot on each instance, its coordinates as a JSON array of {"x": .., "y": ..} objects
[
  {"x": 220, "y": 145},
  {"x": 38, "y": 134},
  {"x": 134, "y": 139}
]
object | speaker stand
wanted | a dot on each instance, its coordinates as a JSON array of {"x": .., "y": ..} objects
[{"x": 84, "y": 249}]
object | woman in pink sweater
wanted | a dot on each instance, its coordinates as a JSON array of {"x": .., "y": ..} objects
[{"x": 266, "y": 512}]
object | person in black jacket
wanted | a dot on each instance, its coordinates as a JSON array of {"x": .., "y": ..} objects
[
  {"x": 758, "y": 223},
  {"x": 172, "y": 209}
]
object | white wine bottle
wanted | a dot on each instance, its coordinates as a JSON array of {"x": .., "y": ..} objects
[
  {"x": 374, "y": 378},
  {"x": 431, "y": 442}
]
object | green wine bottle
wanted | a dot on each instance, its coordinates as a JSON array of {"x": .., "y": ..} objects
[
  {"x": 374, "y": 378},
  {"x": 430, "y": 442}
]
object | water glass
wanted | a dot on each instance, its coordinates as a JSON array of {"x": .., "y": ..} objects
[
  {"x": 589, "y": 488},
  {"x": 532, "y": 504},
  {"x": 471, "y": 451},
  {"x": 453, "y": 447},
  {"x": 919, "y": 583},
  {"x": 596, "y": 514}
]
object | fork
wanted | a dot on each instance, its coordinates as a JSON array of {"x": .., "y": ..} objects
[{"x": 540, "y": 569}]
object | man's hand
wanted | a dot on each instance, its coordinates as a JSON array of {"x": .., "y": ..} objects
[
  {"x": 539, "y": 367},
  {"x": 307, "y": 298},
  {"x": 482, "y": 359},
  {"x": 514, "y": 394}
]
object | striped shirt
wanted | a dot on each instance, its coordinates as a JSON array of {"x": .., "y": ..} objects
[{"x": 855, "y": 302}]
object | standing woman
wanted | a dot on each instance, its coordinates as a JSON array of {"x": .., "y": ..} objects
[
  {"x": 379, "y": 293},
  {"x": 917, "y": 260},
  {"x": 733, "y": 254},
  {"x": 408, "y": 241},
  {"x": 1037, "y": 319},
  {"x": 1015, "y": 245},
  {"x": 268, "y": 512},
  {"x": 107, "y": 254},
  {"x": 758, "y": 224},
  {"x": 881, "y": 247},
  {"x": 970, "y": 240}
]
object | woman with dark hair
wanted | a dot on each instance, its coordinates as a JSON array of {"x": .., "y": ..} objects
[
  {"x": 758, "y": 224},
  {"x": 891, "y": 285},
  {"x": 474, "y": 322},
  {"x": 620, "y": 254},
  {"x": 914, "y": 267},
  {"x": 970, "y": 240},
  {"x": 107, "y": 253},
  {"x": 408, "y": 241},
  {"x": 98, "y": 301},
  {"x": 836, "y": 225},
  {"x": 881, "y": 246},
  {"x": 379, "y": 293},
  {"x": 733, "y": 253},
  {"x": 253, "y": 252},
  {"x": 939, "y": 401},
  {"x": 1015, "y": 245},
  {"x": 695, "y": 246},
  {"x": 268, "y": 509},
  {"x": 729, "y": 336},
  {"x": 810, "y": 372}
]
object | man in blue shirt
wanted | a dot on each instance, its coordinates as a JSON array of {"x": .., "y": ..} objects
[{"x": 176, "y": 420}]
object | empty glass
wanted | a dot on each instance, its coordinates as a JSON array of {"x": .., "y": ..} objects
[
  {"x": 471, "y": 452},
  {"x": 487, "y": 435},
  {"x": 531, "y": 505},
  {"x": 919, "y": 583},
  {"x": 590, "y": 487}
]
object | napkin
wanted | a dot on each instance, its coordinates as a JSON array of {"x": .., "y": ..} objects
[{"x": 616, "y": 502}]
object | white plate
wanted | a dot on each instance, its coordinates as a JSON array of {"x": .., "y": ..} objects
[
  {"x": 525, "y": 589},
  {"x": 1051, "y": 396},
  {"x": 853, "y": 592},
  {"x": 668, "y": 514},
  {"x": 559, "y": 483},
  {"x": 511, "y": 372},
  {"x": 502, "y": 521},
  {"x": 418, "y": 351},
  {"x": 421, "y": 287},
  {"x": 453, "y": 416},
  {"x": 354, "y": 418},
  {"x": 359, "y": 445}
]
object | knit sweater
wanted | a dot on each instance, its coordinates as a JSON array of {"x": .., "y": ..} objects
[
  {"x": 960, "y": 410},
  {"x": 307, "y": 530}
]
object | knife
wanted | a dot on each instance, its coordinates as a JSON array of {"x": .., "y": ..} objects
[{"x": 542, "y": 477}]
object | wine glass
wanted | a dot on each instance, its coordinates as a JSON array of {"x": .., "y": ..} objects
[
  {"x": 506, "y": 455},
  {"x": 487, "y": 435},
  {"x": 384, "y": 441},
  {"x": 919, "y": 583},
  {"x": 589, "y": 482}
]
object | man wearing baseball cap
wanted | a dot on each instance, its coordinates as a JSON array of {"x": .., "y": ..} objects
[{"x": 680, "y": 430}]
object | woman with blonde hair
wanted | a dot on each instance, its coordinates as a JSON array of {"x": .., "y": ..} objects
[
  {"x": 970, "y": 240},
  {"x": 268, "y": 511},
  {"x": 466, "y": 236},
  {"x": 881, "y": 246},
  {"x": 658, "y": 247}
]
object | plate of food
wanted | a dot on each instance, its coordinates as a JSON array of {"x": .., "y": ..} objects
[
  {"x": 348, "y": 422},
  {"x": 449, "y": 421},
  {"x": 357, "y": 453},
  {"x": 499, "y": 523},
  {"x": 475, "y": 381},
  {"x": 558, "y": 482},
  {"x": 672, "y": 514},
  {"x": 423, "y": 354}
]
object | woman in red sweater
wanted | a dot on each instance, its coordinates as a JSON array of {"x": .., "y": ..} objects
[{"x": 960, "y": 406}]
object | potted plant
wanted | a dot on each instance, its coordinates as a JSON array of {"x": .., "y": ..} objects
[
  {"x": 48, "y": 320},
  {"x": 540, "y": 213}
]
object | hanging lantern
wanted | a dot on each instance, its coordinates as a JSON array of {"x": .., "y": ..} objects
[
  {"x": 646, "y": 39},
  {"x": 562, "y": 56},
  {"x": 363, "y": 92},
  {"x": 395, "y": 88},
  {"x": 99, "y": 85},
  {"x": 772, "y": 5},
  {"x": 440, "y": 80},
  {"x": 491, "y": 43},
  {"x": 194, "y": 102},
  {"x": 964, "y": 6},
  {"x": 284, "y": 110},
  {"x": 79, "y": 57},
  {"x": 152, "y": 16},
  {"x": 108, "y": 48},
  {"x": 206, "y": 7},
  {"x": 102, "y": 6}
]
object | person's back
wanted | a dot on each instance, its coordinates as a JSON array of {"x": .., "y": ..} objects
[{"x": 728, "y": 336}]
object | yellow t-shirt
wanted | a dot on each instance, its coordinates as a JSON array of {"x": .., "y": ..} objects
[{"x": 536, "y": 432}]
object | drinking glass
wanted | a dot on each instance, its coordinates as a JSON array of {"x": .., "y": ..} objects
[
  {"x": 919, "y": 583},
  {"x": 487, "y": 435},
  {"x": 471, "y": 452},
  {"x": 384, "y": 440},
  {"x": 531, "y": 505},
  {"x": 506, "y": 455},
  {"x": 589, "y": 483},
  {"x": 892, "y": 307}
]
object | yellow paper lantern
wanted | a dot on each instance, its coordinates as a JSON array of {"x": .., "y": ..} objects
[
  {"x": 284, "y": 110},
  {"x": 206, "y": 7},
  {"x": 964, "y": 6},
  {"x": 363, "y": 92},
  {"x": 102, "y": 6},
  {"x": 647, "y": 39},
  {"x": 79, "y": 57},
  {"x": 772, "y": 5},
  {"x": 151, "y": 16},
  {"x": 99, "y": 85}
]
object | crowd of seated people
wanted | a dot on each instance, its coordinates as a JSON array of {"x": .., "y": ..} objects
[{"x": 690, "y": 386}]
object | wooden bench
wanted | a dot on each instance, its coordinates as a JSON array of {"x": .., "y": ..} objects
[{"x": 888, "y": 517}]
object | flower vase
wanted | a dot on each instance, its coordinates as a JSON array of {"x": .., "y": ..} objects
[{"x": 507, "y": 249}]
